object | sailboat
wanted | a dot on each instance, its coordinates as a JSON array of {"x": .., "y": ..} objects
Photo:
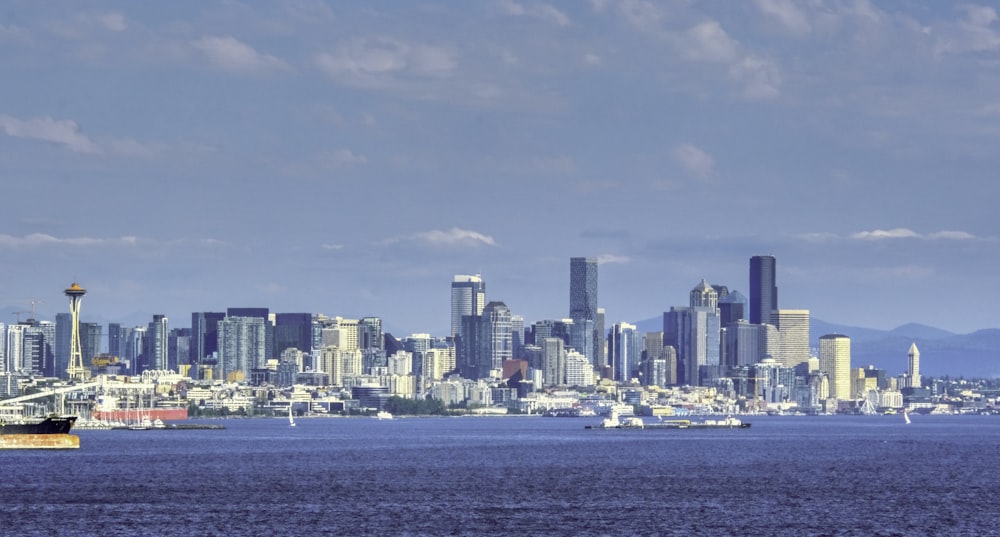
[
  {"x": 291, "y": 417},
  {"x": 906, "y": 416}
]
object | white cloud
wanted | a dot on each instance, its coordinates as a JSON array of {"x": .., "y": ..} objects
[
  {"x": 787, "y": 13},
  {"x": 610, "y": 259},
  {"x": 761, "y": 78},
  {"x": 544, "y": 12},
  {"x": 972, "y": 33},
  {"x": 60, "y": 131},
  {"x": 42, "y": 239},
  {"x": 346, "y": 156},
  {"x": 231, "y": 54},
  {"x": 383, "y": 62},
  {"x": 113, "y": 21},
  {"x": 708, "y": 42},
  {"x": 452, "y": 237},
  {"x": 696, "y": 161},
  {"x": 331, "y": 247},
  {"x": 592, "y": 59},
  {"x": 66, "y": 132},
  {"x": 904, "y": 233},
  {"x": 952, "y": 235}
]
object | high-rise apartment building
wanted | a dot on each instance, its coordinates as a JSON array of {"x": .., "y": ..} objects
[
  {"x": 468, "y": 297},
  {"x": 624, "y": 351},
  {"x": 763, "y": 288},
  {"x": 835, "y": 361},
  {"x": 157, "y": 344},
  {"x": 242, "y": 346}
]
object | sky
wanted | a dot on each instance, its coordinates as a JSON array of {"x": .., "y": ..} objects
[{"x": 350, "y": 158}]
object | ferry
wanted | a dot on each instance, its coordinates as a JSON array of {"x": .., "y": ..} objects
[{"x": 637, "y": 423}]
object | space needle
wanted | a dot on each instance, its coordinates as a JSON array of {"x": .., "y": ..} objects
[{"x": 76, "y": 371}]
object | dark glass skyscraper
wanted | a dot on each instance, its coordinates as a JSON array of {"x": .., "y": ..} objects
[
  {"x": 583, "y": 306},
  {"x": 763, "y": 288}
]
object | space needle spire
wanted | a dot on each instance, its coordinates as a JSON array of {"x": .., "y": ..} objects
[{"x": 76, "y": 371}]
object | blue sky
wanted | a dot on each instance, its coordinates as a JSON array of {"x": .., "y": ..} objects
[{"x": 350, "y": 158}]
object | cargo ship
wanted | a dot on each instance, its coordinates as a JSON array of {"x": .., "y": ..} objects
[
  {"x": 108, "y": 409},
  {"x": 637, "y": 423},
  {"x": 48, "y": 433}
]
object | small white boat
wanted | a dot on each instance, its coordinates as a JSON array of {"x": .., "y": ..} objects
[
  {"x": 906, "y": 416},
  {"x": 291, "y": 417},
  {"x": 383, "y": 415}
]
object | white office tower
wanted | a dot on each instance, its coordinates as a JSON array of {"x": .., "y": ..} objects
[
  {"x": 914, "y": 371},
  {"x": 835, "y": 362},
  {"x": 793, "y": 336},
  {"x": 468, "y": 297}
]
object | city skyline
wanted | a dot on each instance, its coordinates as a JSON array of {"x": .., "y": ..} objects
[{"x": 349, "y": 159}]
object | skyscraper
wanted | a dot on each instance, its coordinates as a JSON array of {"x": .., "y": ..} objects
[
  {"x": 468, "y": 297},
  {"x": 763, "y": 288},
  {"x": 624, "y": 351},
  {"x": 914, "y": 362},
  {"x": 157, "y": 344},
  {"x": 732, "y": 307},
  {"x": 695, "y": 334},
  {"x": 242, "y": 346},
  {"x": 583, "y": 307},
  {"x": 835, "y": 361},
  {"x": 205, "y": 334},
  {"x": 793, "y": 336},
  {"x": 485, "y": 341}
]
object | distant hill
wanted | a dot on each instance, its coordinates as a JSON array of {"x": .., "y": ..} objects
[{"x": 941, "y": 352}]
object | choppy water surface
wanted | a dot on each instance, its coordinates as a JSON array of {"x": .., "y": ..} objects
[{"x": 514, "y": 476}]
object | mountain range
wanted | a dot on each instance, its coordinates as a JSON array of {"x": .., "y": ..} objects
[{"x": 976, "y": 354}]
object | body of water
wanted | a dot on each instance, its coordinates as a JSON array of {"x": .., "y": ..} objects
[{"x": 829, "y": 475}]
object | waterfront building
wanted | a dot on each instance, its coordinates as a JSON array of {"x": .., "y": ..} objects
[
  {"x": 624, "y": 351},
  {"x": 835, "y": 362},
  {"x": 468, "y": 297},
  {"x": 793, "y": 336},
  {"x": 4, "y": 366},
  {"x": 763, "y": 288},
  {"x": 583, "y": 307}
]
